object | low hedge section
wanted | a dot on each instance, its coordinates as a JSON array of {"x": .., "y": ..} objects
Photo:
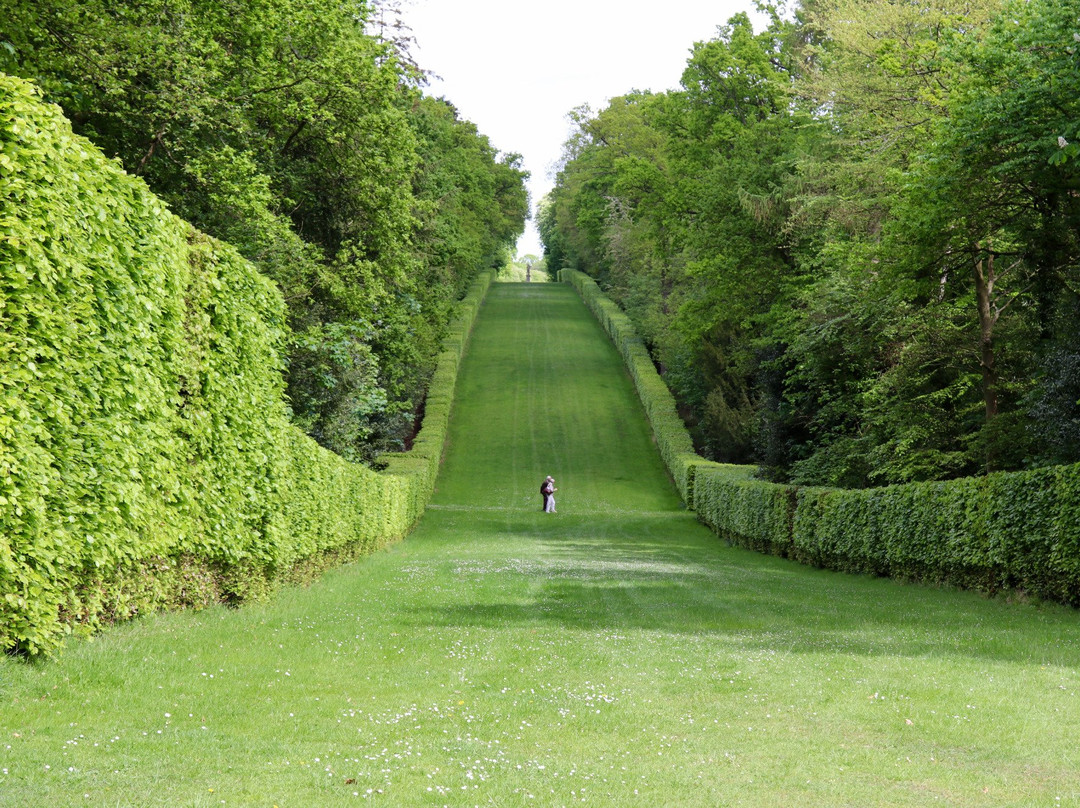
[
  {"x": 146, "y": 457},
  {"x": 1005, "y": 531}
]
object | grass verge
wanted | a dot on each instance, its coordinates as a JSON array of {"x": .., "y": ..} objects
[{"x": 615, "y": 653}]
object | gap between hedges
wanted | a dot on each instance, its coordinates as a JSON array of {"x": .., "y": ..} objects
[{"x": 1006, "y": 531}]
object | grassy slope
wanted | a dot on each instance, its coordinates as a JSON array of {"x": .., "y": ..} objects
[{"x": 613, "y": 654}]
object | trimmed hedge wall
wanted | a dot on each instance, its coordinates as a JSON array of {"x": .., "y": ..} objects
[
  {"x": 1006, "y": 531},
  {"x": 146, "y": 458}
]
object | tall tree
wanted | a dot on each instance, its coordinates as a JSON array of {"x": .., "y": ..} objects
[
  {"x": 865, "y": 222},
  {"x": 288, "y": 129}
]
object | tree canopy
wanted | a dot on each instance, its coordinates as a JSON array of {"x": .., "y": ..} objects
[
  {"x": 297, "y": 133},
  {"x": 851, "y": 239}
]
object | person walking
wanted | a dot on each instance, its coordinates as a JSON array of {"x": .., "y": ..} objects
[
  {"x": 545, "y": 492},
  {"x": 548, "y": 490}
]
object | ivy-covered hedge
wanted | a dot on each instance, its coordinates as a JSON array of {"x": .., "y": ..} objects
[
  {"x": 1017, "y": 531},
  {"x": 146, "y": 458}
]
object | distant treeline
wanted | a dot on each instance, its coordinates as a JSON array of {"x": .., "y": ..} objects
[
  {"x": 851, "y": 241},
  {"x": 296, "y": 133}
]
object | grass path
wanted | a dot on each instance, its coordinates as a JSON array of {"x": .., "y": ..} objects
[{"x": 614, "y": 654}]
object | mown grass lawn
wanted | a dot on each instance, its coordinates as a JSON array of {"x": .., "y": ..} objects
[{"x": 615, "y": 653}]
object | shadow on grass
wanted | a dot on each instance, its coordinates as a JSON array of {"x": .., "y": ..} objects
[{"x": 665, "y": 573}]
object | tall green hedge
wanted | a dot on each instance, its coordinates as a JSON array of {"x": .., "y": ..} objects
[
  {"x": 146, "y": 458},
  {"x": 1018, "y": 531}
]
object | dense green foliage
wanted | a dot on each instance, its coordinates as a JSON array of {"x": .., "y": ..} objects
[
  {"x": 289, "y": 131},
  {"x": 851, "y": 241},
  {"x": 146, "y": 456},
  {"x": 1004, "y": 531},
  {"x": 613, "y": 654}
]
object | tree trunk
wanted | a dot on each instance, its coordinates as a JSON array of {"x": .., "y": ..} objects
[{"x": 984, "y": 290}]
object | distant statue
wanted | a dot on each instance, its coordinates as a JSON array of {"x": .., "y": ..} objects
[{"x": 528, "y": 271}]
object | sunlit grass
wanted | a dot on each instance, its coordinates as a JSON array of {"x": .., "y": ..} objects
[{"x": 613, "y": 654}]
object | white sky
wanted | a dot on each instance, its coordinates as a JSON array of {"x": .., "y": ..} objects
[{"x": 516, "y": 69}]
